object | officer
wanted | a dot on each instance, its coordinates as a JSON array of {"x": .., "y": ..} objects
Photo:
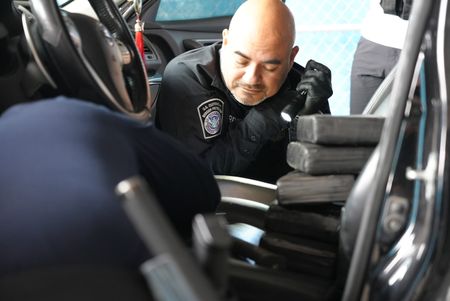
[{"x": 223, "y": 101}]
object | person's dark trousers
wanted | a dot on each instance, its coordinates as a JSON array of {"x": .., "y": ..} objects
[{"x": 372, "y": 62}]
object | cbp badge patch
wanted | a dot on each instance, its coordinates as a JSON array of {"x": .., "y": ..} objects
[{"x": 210, "y": 113}]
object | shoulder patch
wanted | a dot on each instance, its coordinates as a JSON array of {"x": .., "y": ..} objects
[{"x": 210, "y": 113}]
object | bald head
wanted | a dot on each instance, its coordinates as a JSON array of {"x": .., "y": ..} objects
[
  {"x": 262, "y": 19},
  {"x": 257, "y": 50}
]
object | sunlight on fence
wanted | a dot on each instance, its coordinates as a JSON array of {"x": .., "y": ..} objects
[{"x": 328, "y": 31}]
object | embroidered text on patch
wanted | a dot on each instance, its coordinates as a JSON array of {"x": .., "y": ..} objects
[{"x": 210, "y": 113}]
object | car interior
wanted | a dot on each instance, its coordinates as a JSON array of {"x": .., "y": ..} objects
[{"x": 364, "y": 188}]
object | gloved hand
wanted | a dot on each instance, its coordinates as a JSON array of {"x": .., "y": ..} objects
[
  {"x": 264, "y": 120},
  {"x": 317, "y": 82}
]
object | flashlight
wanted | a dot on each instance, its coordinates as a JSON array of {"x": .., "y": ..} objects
[{"x": 291, "y": 110}]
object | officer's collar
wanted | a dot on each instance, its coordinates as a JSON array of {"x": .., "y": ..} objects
[{"x": 218, "y": 81}]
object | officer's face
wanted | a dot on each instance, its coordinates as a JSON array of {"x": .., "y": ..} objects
[{"x": 254, "y": 68}]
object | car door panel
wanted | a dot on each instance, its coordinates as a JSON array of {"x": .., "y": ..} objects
[
  {"x": 164, "y": 40},
  {"x": 170, "y": 40}
]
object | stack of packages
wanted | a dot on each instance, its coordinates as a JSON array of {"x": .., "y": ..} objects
[{"x": 327, "y": 153}]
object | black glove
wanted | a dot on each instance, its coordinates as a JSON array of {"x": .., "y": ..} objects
[
  {"x": 317, "y": 82},
  {"x": 264, "y": 120}
]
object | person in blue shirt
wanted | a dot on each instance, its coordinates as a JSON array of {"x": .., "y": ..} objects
[{"x": 61, "y": 160}]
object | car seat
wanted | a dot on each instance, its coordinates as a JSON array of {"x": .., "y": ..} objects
[
  {"x": 304, "y": 225},
  {"x": 303, "y": 254},
  {"x": 334, "y": 236}
]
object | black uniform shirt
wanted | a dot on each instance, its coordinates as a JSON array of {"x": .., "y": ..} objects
[{"x": 195, "y": 107}]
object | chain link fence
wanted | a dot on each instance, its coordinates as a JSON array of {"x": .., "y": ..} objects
[{"x": 328, "y": 32}]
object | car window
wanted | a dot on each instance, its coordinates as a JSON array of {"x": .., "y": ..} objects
[
  {"x": 327, "y": 31},
  {"x": 176, "y": 10}
]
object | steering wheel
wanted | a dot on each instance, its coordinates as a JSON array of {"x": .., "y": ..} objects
[{"x": 96, "y": 60}]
